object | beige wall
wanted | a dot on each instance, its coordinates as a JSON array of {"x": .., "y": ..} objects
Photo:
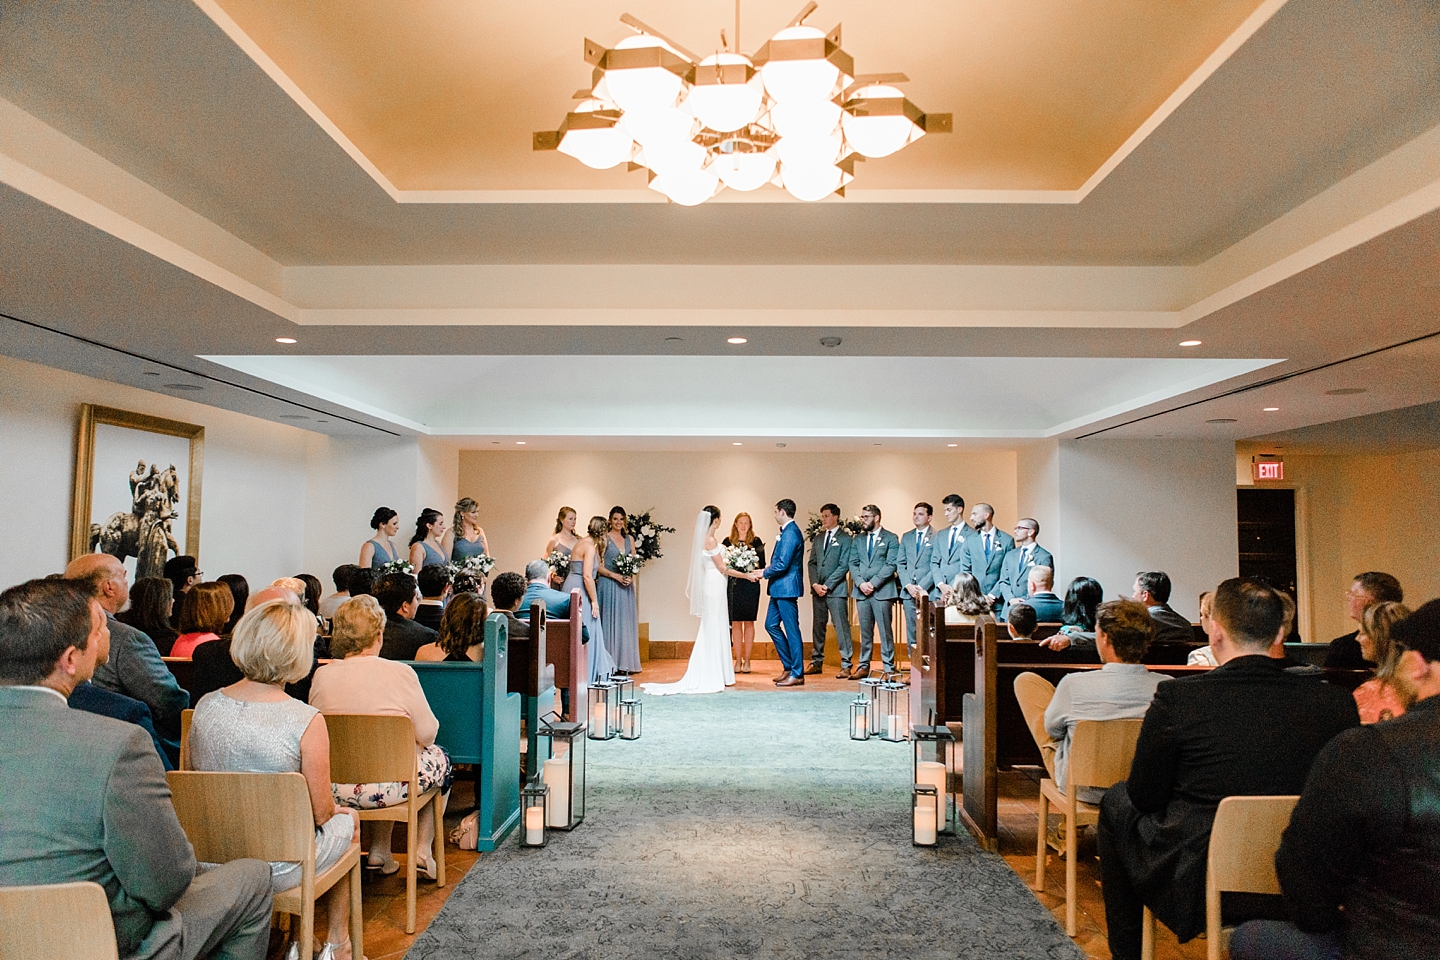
[{"x": 520, "y": 493}]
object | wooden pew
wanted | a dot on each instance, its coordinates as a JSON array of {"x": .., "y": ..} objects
[
  {"x": 566, "y": 653},
  {"x": 533, "y": 678}
]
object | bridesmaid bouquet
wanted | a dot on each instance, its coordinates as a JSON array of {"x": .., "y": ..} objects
[
  {"x": 742, "y": 558},
  {"x": 559, "y": 563},
  {"x": 478, "y": 566},
  {"x": 627, "y": 564},
  {"x": 396, "y": 566}
]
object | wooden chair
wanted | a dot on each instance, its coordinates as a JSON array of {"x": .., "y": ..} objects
[
  {"x": 267, "y": 816},
  {"x": 61, "y": 921},
  {"x": 1100, "y": 755},
  {"x": 1241, "y": 859},
  {"x": 186, "y": 716},
  {"x": 1034, "y": 694},
  {"x": 368, "y": 748}
]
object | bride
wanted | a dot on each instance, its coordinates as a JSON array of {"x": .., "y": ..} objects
[{"x": 710, "y": 669}]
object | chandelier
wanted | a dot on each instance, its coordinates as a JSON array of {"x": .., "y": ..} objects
[{"x": 794, "y": 114}]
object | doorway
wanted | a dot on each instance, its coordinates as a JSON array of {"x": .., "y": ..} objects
[{"x": 1266, "y": 539}]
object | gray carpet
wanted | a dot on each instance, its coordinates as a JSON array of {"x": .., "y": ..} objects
[{"x": 744, "y": 824}]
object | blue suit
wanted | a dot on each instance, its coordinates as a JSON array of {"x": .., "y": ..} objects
[
  {"x": 786, "y": 574},
  {"x": 557, "y": 604}
]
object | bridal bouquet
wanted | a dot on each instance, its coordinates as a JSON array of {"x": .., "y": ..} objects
[
  {"x": 627, "y": 564},
  {"x": 742, "y": 558},
  {"x": 646, "y": 534},
  {"x": 396, "y": 566},
  {"x": 477, "y": 567},
  {"x": 559, "y": 563}
]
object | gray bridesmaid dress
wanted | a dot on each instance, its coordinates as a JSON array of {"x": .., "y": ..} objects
[{"x": 619, "y": 615}]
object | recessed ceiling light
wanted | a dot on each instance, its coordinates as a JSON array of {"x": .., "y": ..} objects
[
  {"x": 1344, "y": 391},
  {"x": 1270, "y": 409},
  {"x": 737, "y": 340},
  {"x": 183, "y": 386},
  {"x": 286, "y": 340},
  {"x": 736, "y": 443},
  {"x": 519, "y": 443},
  {"x": 1189, "y": 343},
  {"x": 831, "y": 342},
  {"x": 1222, "y": 420},
  {"x": 952, "y": 444},
  {"x": 876, "y": 444},
  {"x": 779, "y": 444}
]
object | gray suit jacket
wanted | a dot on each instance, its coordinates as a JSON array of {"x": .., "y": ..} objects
[
  {"x": 1014, "y": 575},
  {"x": 84, "y": 798},
  {"x": 136, "y": 670},
  {"x": 879, "y": 567},
  {"x": 915, "y": 561},
  {"x": 986, "y": 570},
  {"x": 830, "y": 566},
  {"x": 946, "y": 557}
]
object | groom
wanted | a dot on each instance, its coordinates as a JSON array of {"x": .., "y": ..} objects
[{"x": 782, "y": 619}]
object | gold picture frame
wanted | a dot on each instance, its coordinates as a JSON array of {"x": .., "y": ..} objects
[{"x": 83, "y": 499}]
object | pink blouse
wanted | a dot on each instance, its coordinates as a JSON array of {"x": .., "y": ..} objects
[
  {"x": 186, "y": 643},
  {"x": 1378, "y": 701}
]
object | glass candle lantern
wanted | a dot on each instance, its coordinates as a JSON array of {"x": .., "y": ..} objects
[
  {"x": 533, "y": 799},
  {"x": 934, "y": 763},
  {"x": 870, "y": 690},
  {"x": 895, "y": 712},
  {"x": 604, "y": 710},
  {"x": 562, "y": 753},
  {"x": 625, "y": 690},
  {"x": 924, "y": 801},
  {"x": 630, "y": 719},
  {"x": 860, "y": 718}
]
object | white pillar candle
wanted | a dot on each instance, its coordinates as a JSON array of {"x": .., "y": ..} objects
[
  {"x": 534, "y": 825},
  {"x": 924, "y": 825},
  {"x": 556, "y": 776},
  {"x": 599, "y": 719},
  {"x": 931, "y": 773},
  {"x": 860, "y": 727},
  {"x": 892, "y": 726},
  {"x": 627, "y": 724}
]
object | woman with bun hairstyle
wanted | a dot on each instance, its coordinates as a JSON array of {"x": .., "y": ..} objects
[
  {"x": 376, "y": 552},
  {"x": 427, "y": 546}
]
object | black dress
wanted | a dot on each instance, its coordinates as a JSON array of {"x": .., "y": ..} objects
[{"x": 744, "y": 595}]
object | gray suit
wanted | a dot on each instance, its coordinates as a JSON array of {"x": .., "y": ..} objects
[
  {"x": 915, "y": 569},
  {"x": 828, "y": 566},
  {"x": 1015, "y": 571},
  {"x": 947, "y": 554},
  {"x": 876, "y": 565},
  {"x": 85, "y": 798},
  {"x": 136, "y": 670},
  {"x": 983, "y": 568}
]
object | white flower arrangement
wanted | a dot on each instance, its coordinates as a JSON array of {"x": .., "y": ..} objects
[
  {"x": 742, "y": 558},
  {"x": 559, "y": 563},
  {"x": 627, "y": 564},
  {"x": 396, "y": 566},
  {"x": 476, "y": 566}
]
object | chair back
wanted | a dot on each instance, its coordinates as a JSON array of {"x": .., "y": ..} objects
[
  {"x": 1101, "y": 752},
  {"x": 371, "y": 748},
  {"x": 231, "y": 816},
  {"x": 1034, "y": 694},
  {"x": 68, "y": 920},
  {"x": 186, "y": 716},
  {"x": 1243, "y": 842}
]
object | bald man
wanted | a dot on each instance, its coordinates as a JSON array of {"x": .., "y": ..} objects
[
  {"x": 269, "y": 595},
  {"x": 134, "y": 668}
]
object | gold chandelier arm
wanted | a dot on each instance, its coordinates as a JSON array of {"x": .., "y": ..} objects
[
  {"x": 639, "y": 26},
  {"x": 809, "y": 8}
]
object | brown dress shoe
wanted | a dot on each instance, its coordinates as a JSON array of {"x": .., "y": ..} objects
[
  {"x": 814, "y": 668},
  {"x": 792, "y": 682},
  {"x": 844, "y": 674},
  {"x": 859, "y": 673}
]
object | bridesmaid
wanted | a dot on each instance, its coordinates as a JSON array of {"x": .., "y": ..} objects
[
  {"x": 466, "y": 538},
  {"x": 427, "y": 546},
  {"x": 375, "y": 552},
  {"x": 563, "y": 540},
  {"x": 582, "y": 574},
  {"x": 618, "y": 606},
  {"x": 743, "y": 593}
]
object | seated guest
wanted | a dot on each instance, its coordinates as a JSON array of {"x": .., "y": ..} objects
[
  {"x": 964, "y": 602},
  {"x": 253, "y": 726},
  {"x": 152, "y": 604},
  {"x": 1120, "y": 690},
  {"x": 183, "y": 572},
  {"x": 240, "y": 590},
  {"x": 1381, "y": 698},
  {"x": 1358, "y": 863},
  {"x": 1077, "y": 616},
  {"x": 1367, "y": 589},
  {"x": 537, "y": 587},
  {"x": 506, "y": 593},
  {"x": 1203, "y": 656},
  {"x": 97, "y": 700},
  {"x": 1022, "y": 621},
  {"x": 1246, "y": 728},
  {"x": 341, "y": 577},
  {"x": 1048, "y": 607},
  {"x": 203, "y": 614},
  {"x": 359, "y": 681},
  {"x": 85, "y": 798},
  {"x": 462, "y": 632},
  {"x": 434, "y": 583},
  {"x": 313, "y": 591},
  {"x": 362, "y": 582},
  {"x": 400, "y": 598},
  {"x": 211, "y": 664},
  {"x": 134, "y": 668},
  {"x": 1152, "y": 588}
]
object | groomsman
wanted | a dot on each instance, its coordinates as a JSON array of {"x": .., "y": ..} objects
[
  {"x": 829, "y": 563},
  {"x": 874, "y": 558},
  {"x": 1014, "y": 583},
  {"x": 947, "y": 553},
  {"x": 985, "y": 552},
  {"x": 916, "y": 576}
]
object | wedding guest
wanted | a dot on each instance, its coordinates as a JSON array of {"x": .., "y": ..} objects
[
  {"x": 506, "y": 593},
  {"x": 1366, "y": 589},
  {"x": 203, "y": 614},
  {"x": 874, "y": 558},
  {"x": 427, "y": 543},
  {"x": 462, "y": 632},
  {"x": 240, "y": 590},
  {"x": 619, "y": 610},
  {"x": 1382, "y": 698},
  {"x": 253, "y": 726},
  {"x": 914, "y": 573},
  {"x": 1204, "y": 656},
  {"x": 1077, "y": 616},
  {"x": 85, "y": 798},
  {"x": 1152, "y": 588},
  {"x": 152, "y": 602},
  {"x": 537, "y": 587},
  {"x": 358, "y": 680},
  {"x": 400, "y": 598},
  {"x": 583, "y": 561},
  {"x": 97, "y": 700},
  {"x": 361, "y": 582},
  {"x": 212, "y": 667},
  {"x": 435, "y": 588},
  {"x": 985, "y": 552},
  {"x": 564, "y": 539},
  {"x": 341, "y": 578},
  {"x": 313, "y": 590},
  {"x": 1048, "y": 607},
  {"x": 183, "y": 572},
  {"x": 947, "y": 552},
  {"x": 1021, "y": 621},
  {"x": 829, "y": 568},
  {"x": 966, "y": 601},
  {"x": 380, "y": 549},
  {"x": 466, "y": 538},
  {"x": 742, "y": 595}
]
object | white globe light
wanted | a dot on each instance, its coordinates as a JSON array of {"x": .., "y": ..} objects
[
  {"x": 814, "y": 79},
  {"x": 744, "y": 171},
  {"x": 600, "y": 148},
  {"x": 879, "y": 136},
  {"x": 655, "y": 127},
  {"x": 810, "y": 151},
  {"x": 805, "y": 118},
  {"x": 643, "y": 88},
  {"x": 678, "y": 158},
  {"x": 725, "y": 107},
  {"x": 812, "y": 183},
  {"x": 687, "y": 189}
]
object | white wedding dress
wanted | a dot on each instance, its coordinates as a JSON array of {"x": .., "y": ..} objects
[{"x": 710, "y": 669}]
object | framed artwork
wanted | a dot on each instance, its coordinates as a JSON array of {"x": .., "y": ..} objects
[{"x": 137, "y": 488}]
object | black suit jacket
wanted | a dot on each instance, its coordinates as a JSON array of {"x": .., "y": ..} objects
[
  {"x": 1344, "y": 654},
  {"x": 1170, "y": 627},
  {"x": 403, "y": 637},
  {"x": 1245, "y": 728},
  {"x": 429, "y": 615},
  {"x": 117, "y": 706}
]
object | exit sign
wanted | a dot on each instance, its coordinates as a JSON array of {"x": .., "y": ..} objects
[{"x": 1267, "y": 468}]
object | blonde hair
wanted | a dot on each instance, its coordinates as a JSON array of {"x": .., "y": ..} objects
[
  {"x": 735, "y": 530},
  {"x": 275, "y": 643},
  {"x": 357, "y": 622},
  {"x": 599, "y": 527},
  {"x": 294, "y": 584},
  {"x": 560, "y": 517},
  {"x": 1376, "y": 622},
  {"x": 463, "y": 508}
]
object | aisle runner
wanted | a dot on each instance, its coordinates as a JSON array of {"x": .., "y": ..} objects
[{"x": 743, "y": 824}]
